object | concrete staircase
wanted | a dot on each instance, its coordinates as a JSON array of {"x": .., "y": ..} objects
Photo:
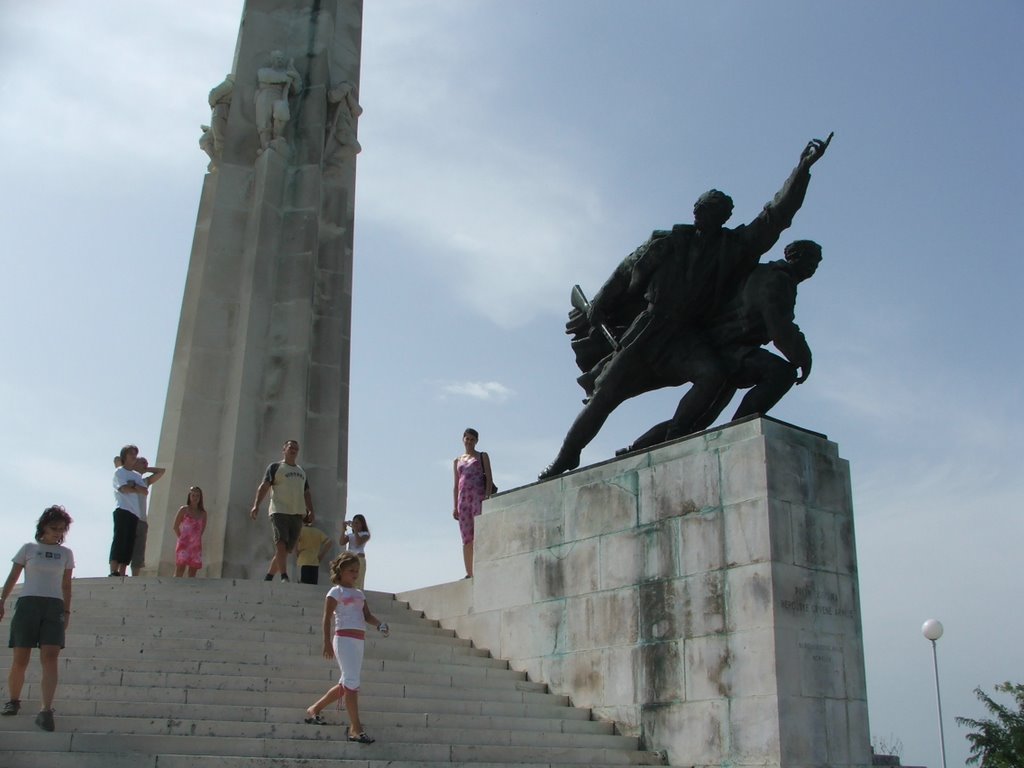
[{"x": 194, "y": 673}]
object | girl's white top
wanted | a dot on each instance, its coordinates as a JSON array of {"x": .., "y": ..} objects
[
  {"x": 44, "y": 568},
  {"x": 348, "y": 614}
]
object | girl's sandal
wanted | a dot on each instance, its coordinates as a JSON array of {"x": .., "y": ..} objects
[
  {"x": 316, "y": 720},
  {"x": 362, "y": 738}
]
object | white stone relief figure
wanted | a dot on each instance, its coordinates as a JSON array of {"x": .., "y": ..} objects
[
  {"x": 206, "y": 144},
  {"x": 212, "y": 140},
  {"x": 341, "y": 142},
  {"x": 275, "y": 84},
  {"x": 220, "y": 103}
]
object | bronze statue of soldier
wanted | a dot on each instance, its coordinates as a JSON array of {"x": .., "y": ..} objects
[
  {"x": 657, "y": 300},
  {"x": 762, "y": 311}
]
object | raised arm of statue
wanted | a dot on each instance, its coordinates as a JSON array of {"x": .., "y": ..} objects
[
  {"x": 814, "y": 150},
  {"x": 764, "y": 231}
]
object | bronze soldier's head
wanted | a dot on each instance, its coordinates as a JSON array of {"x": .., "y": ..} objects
[
  {"x": 712, "y": 210},
  {"x": 803, "y": 257}
]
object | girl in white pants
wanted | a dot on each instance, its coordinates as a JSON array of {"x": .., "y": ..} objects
[{"x": 347, "y": 605}]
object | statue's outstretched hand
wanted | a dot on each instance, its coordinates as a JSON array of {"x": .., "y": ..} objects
[
  {"x": 805, "y": 372},
  {"x": 814, "y": 150}
]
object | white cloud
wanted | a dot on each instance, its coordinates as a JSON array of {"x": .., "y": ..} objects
[{"x": 488, "y": 391}]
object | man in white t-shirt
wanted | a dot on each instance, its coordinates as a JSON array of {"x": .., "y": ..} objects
[
  {"x": 142, "y": 529},
  {"x": 129, "y": 486},
  {"x": 291, "y": 504}
]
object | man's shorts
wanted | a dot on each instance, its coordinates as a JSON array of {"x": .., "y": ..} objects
[
  {"x": 139, "y": 551},
  {"x": 125, "y": 525},
  {"x": 37, "y": 621},
  {"x": 286, "y": 528}
]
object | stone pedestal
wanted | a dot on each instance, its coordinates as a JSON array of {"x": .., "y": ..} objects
[
  {"x": 262, "y": 354},
  {"x": 704, "y": 595}
]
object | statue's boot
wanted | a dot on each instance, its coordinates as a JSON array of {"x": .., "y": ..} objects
[
  {"x": 566, "y": 460},
  {"x": 584, "y": 428},
  {"x": 654, "y": 436}
]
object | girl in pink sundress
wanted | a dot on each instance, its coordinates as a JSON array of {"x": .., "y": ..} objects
[
  {"x": 189, "y": 525},
  {"x": 473, "y": 484}
]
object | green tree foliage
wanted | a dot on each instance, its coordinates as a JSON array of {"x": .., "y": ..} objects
[{"x": 998, "y": 742}]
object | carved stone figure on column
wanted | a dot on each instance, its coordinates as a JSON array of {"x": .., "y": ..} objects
[
  {"x": 276, "y": 83},
  {"x": 659, "y": 294},
  {"x": 206, "y": 144},
  {"x": 340, "y": 142},
  {"x": 220, "y": 104},
  {"x": 762, "y": 311},
  {"x": 212, "y": 140}
]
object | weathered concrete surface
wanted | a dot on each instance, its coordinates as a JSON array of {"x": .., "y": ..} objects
[
  {"x": 704, "y": 595},
  {"x": 262, "y": 353}
]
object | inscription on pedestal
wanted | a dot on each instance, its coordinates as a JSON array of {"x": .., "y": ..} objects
[
  {"x": 811, "y": 600},
  {"x": 821, "y": 667}
]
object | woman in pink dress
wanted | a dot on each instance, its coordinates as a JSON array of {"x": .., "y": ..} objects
[
  {"x": 473, "y": 483},
  {"x": 188, "y": 527}
]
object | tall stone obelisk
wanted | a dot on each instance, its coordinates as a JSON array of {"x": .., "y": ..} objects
[{"x": 262, "y": 354}]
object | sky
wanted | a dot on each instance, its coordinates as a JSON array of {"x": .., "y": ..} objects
[{"x": 511, "y": 149}]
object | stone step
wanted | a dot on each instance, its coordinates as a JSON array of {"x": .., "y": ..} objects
[
  {"x": 382, "y": 730},
  {"x": 318, "y": 748},
  {"x": 92, "y": 669},
  {"x": 266, "y": 604},
  {"x": 227, "y": 591},
  {"x": 560, "y": 720},
  {"x": 394, "y": 654},
  {"x": 296, "y": 630},
  {"x": 279, "y": 616},
  {"x": 274, "y": 647},
  {"x": 238, "y": 690},
  {"x": 138, "y": 673},
  {"x": 165, "y": 612},
  {"x": 463, "y": 666},
  {"x": 137, "y": 760},
  {"x": 529, "y": 705},
  {"x": 283, "y": 682}
]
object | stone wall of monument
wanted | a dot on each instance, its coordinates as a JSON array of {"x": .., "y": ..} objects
[{"x": 704, "y": 595}]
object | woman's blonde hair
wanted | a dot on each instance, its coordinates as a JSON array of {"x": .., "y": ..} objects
[{"x": 340, "y": 563}]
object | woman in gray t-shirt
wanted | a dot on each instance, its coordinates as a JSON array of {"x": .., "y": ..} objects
[{"x": 43, "y": 610}]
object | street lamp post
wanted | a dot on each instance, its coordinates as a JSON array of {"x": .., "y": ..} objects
[{"x": 932, "y": 630}]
